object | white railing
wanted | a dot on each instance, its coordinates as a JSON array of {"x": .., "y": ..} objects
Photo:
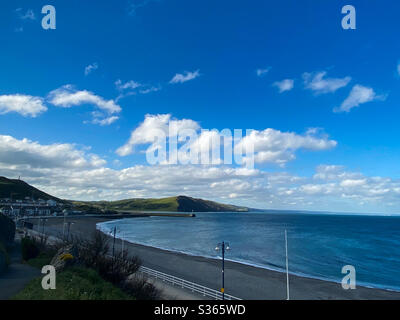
[{"x": 194, "y": 287}]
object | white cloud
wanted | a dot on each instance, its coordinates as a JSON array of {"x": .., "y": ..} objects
[
  {"x": 279, "y": 147},
  {"x": 67, "y": 97},
  {"x": 319, "y": 84},
  {"x": 26, "y": 105},
  {"x": 105, "y": 121},
  {"x": 146, "y": 131},
  {"x": 186, "y": 76},
  {"x": 350, "y": 183},
  {"x": 358, "y": 95},
  {"x": 262, "y": 72},
  {"x": 149, "y": 90},
  {"x": 398, "y": 68},
  {"x": 269, "y": 145},
  {"x": 133, "y": 88},
  {"x": 90, "y": 68},
  {"x": 27, "y": 15},
  {"x": 68, "y": 172},
  {"x": 127, "y": 85},
  {"x": 284, "y": 85},
  {"x": 137, "y": 4},
  {"x": 26, "y": 155}
]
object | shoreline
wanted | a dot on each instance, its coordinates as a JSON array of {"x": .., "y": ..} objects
[
  {"x": 243, "y": 280},
  {"x": 249, "y": 264}
]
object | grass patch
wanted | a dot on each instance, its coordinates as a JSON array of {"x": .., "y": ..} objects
[
  {"x": 43, "y": 259},
  {"x": 73, "y": 284},
  {"x": 165, "y": 204}
]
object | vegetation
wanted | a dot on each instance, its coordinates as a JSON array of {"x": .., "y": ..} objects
[
  {"x": 93, "y": 253},
  {"x": 75, "y": 283},
  {"x": 7, "y": 234},
  {"x": 18, "y": 189},
  {"x": 4, "y": 258},
  {"x": 93, "y": 275},
  {"x": 7, "y": 230},
  {"x": 172, "y": 204},
  {"x": 166, "y": 204},
  {"x": 30, "y": 248}
]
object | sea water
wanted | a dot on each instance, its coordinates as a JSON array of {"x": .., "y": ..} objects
[{"x": 319, "y": 245}]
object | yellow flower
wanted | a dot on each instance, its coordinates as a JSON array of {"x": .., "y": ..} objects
[{"x": 66, "y": 256}]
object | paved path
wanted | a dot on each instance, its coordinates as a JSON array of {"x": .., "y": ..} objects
[{"x": 17, "y": 276}]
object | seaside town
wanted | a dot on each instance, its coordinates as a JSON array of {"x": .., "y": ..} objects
[{"x": 34, "y": 207}]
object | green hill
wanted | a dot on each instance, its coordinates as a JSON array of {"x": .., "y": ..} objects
[
  {"x": 18, "y": 189},
  {"x": 171, "y": 204}
]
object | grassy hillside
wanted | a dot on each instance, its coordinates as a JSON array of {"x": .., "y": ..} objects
[
  {"x": 19, "y": 189},
  {"x": 172, "y": 204},
  {"x": 187, "y": 204},
  {"x": 166, "y": 204}
]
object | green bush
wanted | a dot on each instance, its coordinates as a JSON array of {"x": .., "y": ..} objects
[
  {"x": 43, "y": 259},
  {"x": 4, "y": 258},
  {"x": 73, "y": 284},
  {"x": 30, "y": 249},
  {"x": 7, "y": 229}
]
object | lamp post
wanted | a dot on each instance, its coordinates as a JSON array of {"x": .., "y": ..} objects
[
  {"x": 223, "y": 246},
  {"x": 122, "y": 239},
  {"x": 64, "y": 226},
  {"x": 43, "y": 223},
  {"x": 69, "y": 228},
  {"x": 114, "y": 233}
]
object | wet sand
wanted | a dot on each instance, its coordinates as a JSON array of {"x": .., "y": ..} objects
[{"x": 243, "y": 281}]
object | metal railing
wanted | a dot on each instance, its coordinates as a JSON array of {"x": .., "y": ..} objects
[{"x": 194, "y": 287}]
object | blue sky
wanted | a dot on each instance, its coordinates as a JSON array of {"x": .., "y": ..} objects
[{"x": 221, "y": 45}]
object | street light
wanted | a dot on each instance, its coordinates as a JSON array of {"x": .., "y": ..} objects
[
  {"x": 64, "y": 223},
  {"x": 69, "y": 228},
  {"x": 223, "y": 246},
  {"x": 122, "y": 239},
  {"x": 43, "y": 223},
  {"x": 114, "y": 233}
]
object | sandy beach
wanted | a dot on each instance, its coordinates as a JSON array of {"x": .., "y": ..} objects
[{"x": 243, "y": 281}]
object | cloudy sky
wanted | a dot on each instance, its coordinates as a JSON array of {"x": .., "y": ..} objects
[{"x": 78, "y": 104}]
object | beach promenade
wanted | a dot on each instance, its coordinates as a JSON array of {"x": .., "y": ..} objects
[{"x": 242, "y": 281}]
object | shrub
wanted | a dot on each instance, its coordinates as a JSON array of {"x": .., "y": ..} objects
[
  {"x": 43, "y": 259},
  {"x": 141, "y": 288},
  {"x": 30, "y": 248},
  {"x": 94, "y": 254},
  {"x": 7, "y": 229},
  {"x": 4, "y": 258},
  {"x": 119, "y": 270}
]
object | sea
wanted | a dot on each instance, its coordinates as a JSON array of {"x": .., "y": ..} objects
[{"x": 319, "y": 244}]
